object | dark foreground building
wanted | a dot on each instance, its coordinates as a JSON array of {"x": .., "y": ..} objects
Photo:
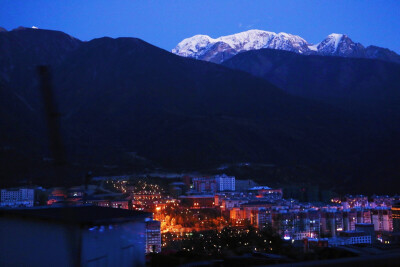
[{"x": 72, "y": 236}]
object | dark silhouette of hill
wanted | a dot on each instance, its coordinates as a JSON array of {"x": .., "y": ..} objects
[
  {"x": 124, "y": 99},
  {"x": 349, "y": 83},
  {"x": 366, "y": 89}
]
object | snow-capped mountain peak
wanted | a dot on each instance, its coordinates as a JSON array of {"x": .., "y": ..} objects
[
  {"x": 247, "y": 40},
  {"x": 335, "y": 39},
  {"x": 331, "y": 43},
  {"x": 340, "y": 45},
  {"x": 206, "y": 48},
  {"x": 219, "y": 49},
  {"x": 192, "y": 45}
]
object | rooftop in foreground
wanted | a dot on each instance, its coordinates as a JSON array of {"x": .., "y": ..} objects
[{"x": 86, "y": 215}]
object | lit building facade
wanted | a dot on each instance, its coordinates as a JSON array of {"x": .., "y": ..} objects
[
  {"x": 118, "y": 204},
  {"x": 351, "y": 201},
  {"x": 368, "y": 229},
  {"x": 198, "y": 201},
  {"x": 382, "y": 219},
  {"x": 349, "y": 220},
  {"x": 22, "y": 197},
  {"x": 225, "y": 183},
  {"x": 381, "y": 201},
  {"x": 267, "y": 192},
  {"x": 396, "y": 216},
  {"x": 153, "y": 236},
  {"x": 355, "y": 237},
  {"x": 204, "y": 185}
]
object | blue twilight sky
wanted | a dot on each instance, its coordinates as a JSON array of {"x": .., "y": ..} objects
[{"x": 165, "y": 23}]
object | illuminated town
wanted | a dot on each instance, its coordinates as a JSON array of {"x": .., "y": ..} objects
[{"x": 216, "y": 214}]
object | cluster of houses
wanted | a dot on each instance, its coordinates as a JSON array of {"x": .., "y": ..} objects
[{"x": 345, "y": 220}]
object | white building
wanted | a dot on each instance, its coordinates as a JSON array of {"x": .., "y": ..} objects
[
  {"x": 225, "y": 183},
  {"x": 302, "y": 235},
  {"x": 382, "y": 219},
  {"x": 355, "y": 237},
  {"x": 72, "y": 236},
  {"x": 365, "y": 239},
  {"x": 153, "y": 236},
  {"x": 22, "y": 197},
  {"x": 353, "y": 240}
]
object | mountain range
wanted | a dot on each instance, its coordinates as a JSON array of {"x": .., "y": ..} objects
[
  {"x": 127, "y": 105},
  {"x": 220, "y": 49}
]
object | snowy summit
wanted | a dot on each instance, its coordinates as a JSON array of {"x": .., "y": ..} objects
[
  {"x": 216, "y": 50},
  {"x": 219, "y": 49}
]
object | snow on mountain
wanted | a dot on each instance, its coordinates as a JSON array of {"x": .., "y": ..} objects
[
  {"x": 340, "y": 45},
  {"x": 313, "y": 47},
  {"x": 289, "y": 42},
  {"x": 217, "y": 50},
  {"x": 252, "y": 39},
  {"x": 330, "y": 44},
  {"x": 193, "y": 46},
  {"x": 206, "y": 48}
]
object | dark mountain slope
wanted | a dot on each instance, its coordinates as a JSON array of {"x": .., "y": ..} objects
[
  {"x": 366, "y": 89},
  {"x": 23, "y": 132},
  {"x": 356, "y": 85},
  {"x": 187, "y": 113},
  {"x": 23, "y": 49},
  {"x": 121, "y": 97}
]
